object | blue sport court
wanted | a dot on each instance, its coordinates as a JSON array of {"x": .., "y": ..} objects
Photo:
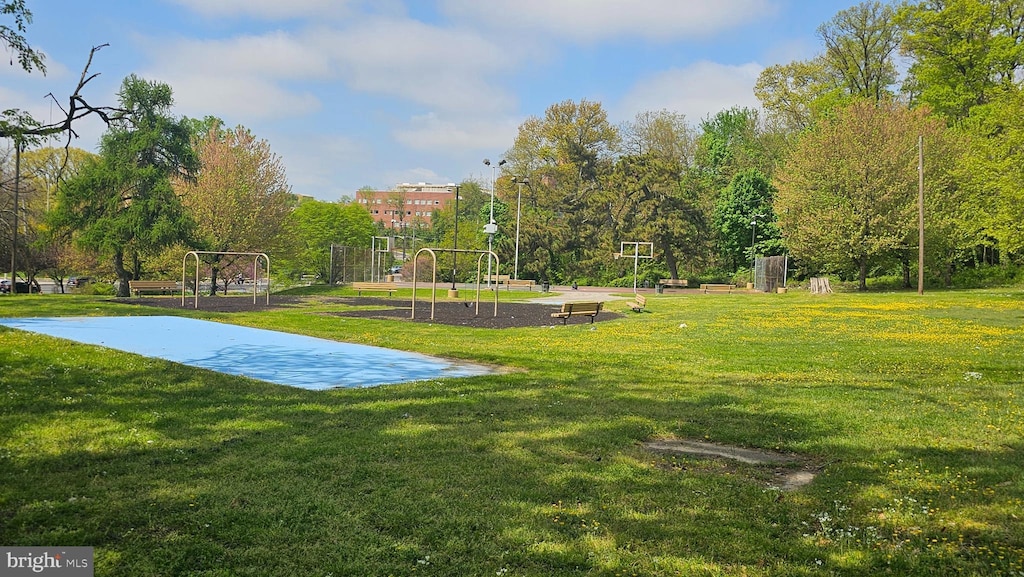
[{"x": 277, "y": 357}]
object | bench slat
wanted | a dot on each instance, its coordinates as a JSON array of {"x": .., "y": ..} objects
[
  {"x": 137, "y": 286},
  {"x": 640, "y": 303},
  {"x": 590, "y": 309},
  {"x": 388, "y": 287},
  {"x": 717, "y": 287}
]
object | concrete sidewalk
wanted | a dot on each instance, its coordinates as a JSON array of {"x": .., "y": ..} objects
[{"x": 566, "y": 294}]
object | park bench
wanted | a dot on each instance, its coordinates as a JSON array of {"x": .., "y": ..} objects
[
  {"x": 498, "y": 278},
  {"x": 520, "y": 283},
  {"x": 674, "y": 282},
  {"x": 639, "y": 303},
  {"x": 711, "y": 288},
  {"x": 388, "y": 287},
  {"x": 584, "y": 309},
  {"x": 161, "y": 286}
]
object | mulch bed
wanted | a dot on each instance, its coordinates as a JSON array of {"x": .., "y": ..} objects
[{"x": 456, "y": 313}]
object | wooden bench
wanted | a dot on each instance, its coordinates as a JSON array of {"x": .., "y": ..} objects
[
  {"x": 584, "y": 309},
  {"x": 388, "y": 287},
  {"x": 520, "y": 283},
  {"x": 674, "y": 282},
  {"x": 161, "y": 286},
  {"x": 498, "y": 278},
  {"x": 710, "y": 288},
  {"x": 639, "y": 303}
]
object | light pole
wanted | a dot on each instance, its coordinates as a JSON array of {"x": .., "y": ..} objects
[
  {"x": 753, "y": 236},
  {"x": 519, "y": 206},
  {"x": 455, "y": 244},
  {"x": 491, "y": 227}
]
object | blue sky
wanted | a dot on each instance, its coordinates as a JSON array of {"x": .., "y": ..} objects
[{"x": 355, "y": 93}]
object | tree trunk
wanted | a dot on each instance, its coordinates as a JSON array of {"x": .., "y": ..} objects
[
  {"x": 862, "y": 275},
  {"x": 123, "y": 289},
  {"x": 670, "y": 261},
  {"x": 905, "y": 262}
]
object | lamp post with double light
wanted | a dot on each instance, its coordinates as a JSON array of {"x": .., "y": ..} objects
[
  {"x": 491, "y": 227},
  {"x": 454, "y": 293},
  {"x": 519, "y": 206}
]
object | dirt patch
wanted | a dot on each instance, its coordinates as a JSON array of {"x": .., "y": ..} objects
[
  {"x": 790, "y": 473},
  {"x": 455, "y": 313}
]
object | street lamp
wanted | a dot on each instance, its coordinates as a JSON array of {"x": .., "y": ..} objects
[
  {"x": 753, "y": 235},
  {"x": 519, "y": 205},
  {"x": 455, "y": 240},
  {"x": 491, "y": 227}
]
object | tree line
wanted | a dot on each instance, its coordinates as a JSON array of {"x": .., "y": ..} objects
[{"x": 827, "y": 171}]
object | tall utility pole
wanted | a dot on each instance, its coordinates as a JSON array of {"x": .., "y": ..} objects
[{"x": 920, "y": 215}]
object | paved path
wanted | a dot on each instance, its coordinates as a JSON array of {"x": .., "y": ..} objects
[{"x": 567, "y": 294}]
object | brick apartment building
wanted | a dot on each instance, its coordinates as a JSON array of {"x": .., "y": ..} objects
[{"x": 406, "y": 204}]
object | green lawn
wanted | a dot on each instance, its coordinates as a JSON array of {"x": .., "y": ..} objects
[{"x": 909, "y": 408}]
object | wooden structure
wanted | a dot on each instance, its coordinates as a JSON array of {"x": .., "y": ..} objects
[
  {"x": 388, "y": 287},
  {"x": 581, "y": 309},
  {"x": 639, "y": 303},
  {"x": 160, "y": 286}
]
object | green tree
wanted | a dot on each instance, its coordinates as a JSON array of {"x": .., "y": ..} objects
[
  {"x": 240, "y": 197},
  {"x": 43, "y": 172},
  {"x": 648, "y": 201},
  {"x": 731, "y": 142},
  {"x": 563, "y": 154},
  {"x": 646, "y": 198},
  {"x": 14, "y": 38},
  {"x": 847, "y": 195},
  {"x": 123, "y": 204},
  {"x": 314, "y": 226},
  {"x": 858, "y": 61},
  {"x": 747, "y": 199},
  {"x": 993, "y": 171},
  {"x": 860, "y": 44},
  {"x": 795, "y": 95},
  {"x": 965, "y": 52}
]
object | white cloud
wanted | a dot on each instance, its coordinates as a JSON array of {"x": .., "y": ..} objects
[
  {"x": 430, "y": 132},
  {"x": 698, "y": 91},
  {"x": 240, "y": 78},
  {"x": 276, "y": 54},
  {"x": 595, "y": 20},
  {"x": 449, "y": 69},
  {"x": 237, "y": 99}
]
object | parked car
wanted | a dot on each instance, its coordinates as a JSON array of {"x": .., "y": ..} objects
[
  {"x": 77, "y": 281},
  {"x": 20, "y": 287}
]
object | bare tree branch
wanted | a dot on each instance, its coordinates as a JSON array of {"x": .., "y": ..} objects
[{"x": 18, "y": 125}]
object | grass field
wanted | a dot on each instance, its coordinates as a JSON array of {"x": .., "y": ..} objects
[{"x": 908, "y": 408}]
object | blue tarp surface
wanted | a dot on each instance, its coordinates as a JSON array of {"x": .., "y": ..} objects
[{"x": 282, "y": 358}]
